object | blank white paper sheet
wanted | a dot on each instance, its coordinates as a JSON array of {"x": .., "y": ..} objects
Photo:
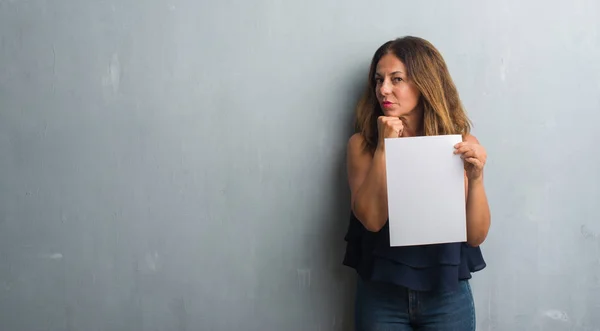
[{"x": 426, "y": 190}]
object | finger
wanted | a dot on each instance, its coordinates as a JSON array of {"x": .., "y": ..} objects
[
  {"x": 460, "y": 144},
  {"x": 463, "y": 149},
  {"x": 391, "y": 119},
  {"x": 466, "y": 143},
  {"x": 385, "y": 119},
  {"x": 468, "y": 154},
  {"x": 398, "y": 131},
  {"x": 395, "y": 123},
  {"x": 396, "y": 128},
  {"x": 469, "y": 147}
]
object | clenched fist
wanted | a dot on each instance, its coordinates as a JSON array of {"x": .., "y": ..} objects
[{"x": 389, "y": 127}]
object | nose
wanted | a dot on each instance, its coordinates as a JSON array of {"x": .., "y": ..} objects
[{"x": 385, "y": 88}]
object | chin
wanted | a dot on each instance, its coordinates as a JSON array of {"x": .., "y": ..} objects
[{"x": 393, "y": 113}]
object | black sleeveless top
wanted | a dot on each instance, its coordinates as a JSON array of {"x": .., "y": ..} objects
[{"x": 421, "y": 268}]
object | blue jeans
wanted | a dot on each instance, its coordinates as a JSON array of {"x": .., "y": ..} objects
[{"x": 387, "y": 307}]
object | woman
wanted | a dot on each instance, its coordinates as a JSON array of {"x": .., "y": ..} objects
[{"x": 410, "y": 93}]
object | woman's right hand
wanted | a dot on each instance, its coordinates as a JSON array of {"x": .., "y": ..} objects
[{"x": 389, "y": 127}]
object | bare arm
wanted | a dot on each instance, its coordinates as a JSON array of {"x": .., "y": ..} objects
[
  {"x": 366, "y": 176},
  {"x": 478, "y": 211}
]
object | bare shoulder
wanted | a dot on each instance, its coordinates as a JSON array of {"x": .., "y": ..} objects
[
  {"x": 358, "y": 157},
  {"x": 356, "y": 140},
  {"x": 357, "y": 147},
  {"x": 471, "y": 139}
]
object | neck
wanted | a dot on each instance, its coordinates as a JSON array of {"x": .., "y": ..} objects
[{"x": 413, "y": 124}]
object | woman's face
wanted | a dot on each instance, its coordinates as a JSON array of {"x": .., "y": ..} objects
[{"x": 397, "y": 96}]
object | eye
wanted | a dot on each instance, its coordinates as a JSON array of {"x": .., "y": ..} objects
[
  {"x": 378, "y": 80},
  {"x": 397, "y": 79}
]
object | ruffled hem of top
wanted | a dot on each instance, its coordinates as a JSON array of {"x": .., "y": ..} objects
[
  {"x": 422, "y": 268},
  {"x": 440, "y": 277}
]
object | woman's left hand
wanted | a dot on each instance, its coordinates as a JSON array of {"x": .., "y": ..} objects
[{"x": 474, "y": 156}]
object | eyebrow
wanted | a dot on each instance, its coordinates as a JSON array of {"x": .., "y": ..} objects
[{"x": 393, "y": 73}]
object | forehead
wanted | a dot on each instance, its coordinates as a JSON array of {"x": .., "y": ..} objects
[{"x": 388, "y": 64}]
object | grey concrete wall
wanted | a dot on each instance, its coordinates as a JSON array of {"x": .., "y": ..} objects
[{"x": 179, "y": 165}]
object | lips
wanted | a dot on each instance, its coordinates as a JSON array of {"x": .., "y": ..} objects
[{"x": 387, "y": 104}]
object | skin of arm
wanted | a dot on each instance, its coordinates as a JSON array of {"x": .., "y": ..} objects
[
  {"x": 478, "y": 210},
  {"x": 366, "y": 176}
]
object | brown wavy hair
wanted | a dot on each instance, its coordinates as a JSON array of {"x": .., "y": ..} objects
[{"x": 443, "y": 112}]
